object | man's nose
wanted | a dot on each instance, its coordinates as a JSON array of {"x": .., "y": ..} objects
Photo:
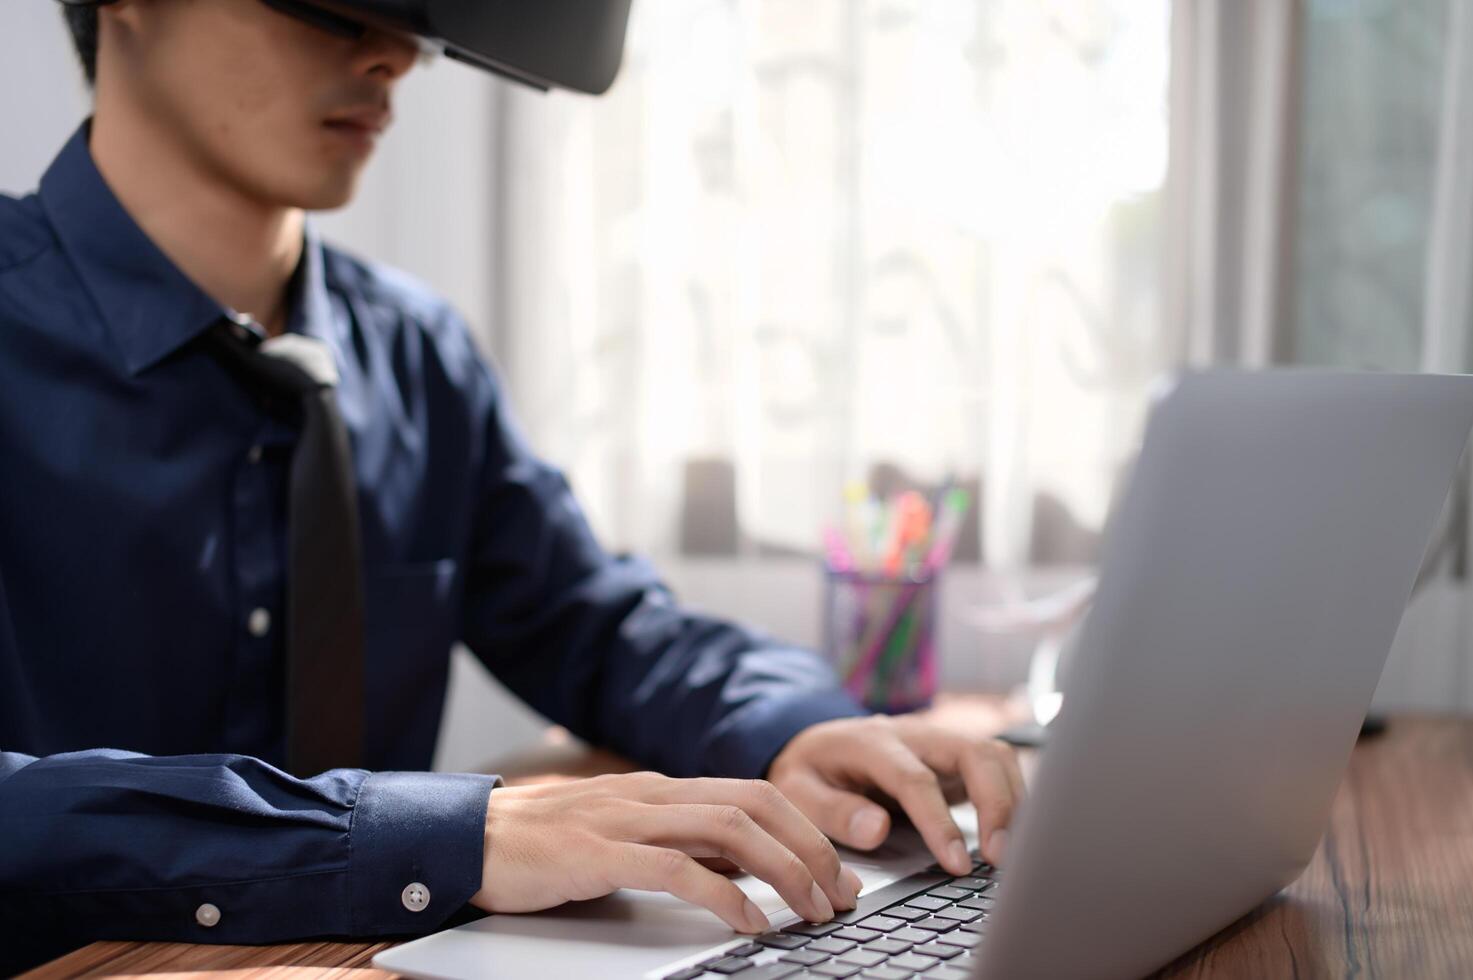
[{"x": 386, "y": 53}]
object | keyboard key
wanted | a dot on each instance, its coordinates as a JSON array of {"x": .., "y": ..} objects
[
  {"x": 939, "y": 950},
  {"x": 782, "y": 940},
  {"x": 813, "y": 929},
  {"x": 745, "y": 949},
  {"x": 948, "y": 893},
  {"x": 959, "y": 914},
  {"x": 962, "y": 938},
  {"x": 946, "y": 973},
  {"x": 909, "y": 935},
  {"x": 885, "y": 973},
  {"x": 910, "y": 961},
  {"x": 930, "y": 902},
  {"x": 840, "y": 970},
  {"x": 979, "y": 927},
  {"x": 803, "y": 957},
  {"x": 894, "y": 893},
  {"x": 863, "y": 957},
  {"x": 858, "y": 935},
  {"x": 888, "y": 946},
  {"x": 831, "y": 945},
  {"x": 729, "y": 964},
  {"x": 769, "y": 971},
  {"x": 905, "y": 912},
  {"x": 883, "y": 923},
  {"x": 934, "y": 924},
  {"x": 973, "y": 884},
  {"x": 689, "y": 973},
  {"x": 980, "y": 903}
]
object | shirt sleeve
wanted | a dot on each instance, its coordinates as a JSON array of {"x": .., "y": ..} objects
[
  {"x": 105, "y": 844},
  {"x": 597, "y": 643}
]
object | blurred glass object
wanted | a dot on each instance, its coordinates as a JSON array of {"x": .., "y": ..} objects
[{"x": 880, "y": 634}]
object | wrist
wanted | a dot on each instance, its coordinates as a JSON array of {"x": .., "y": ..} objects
[
  {"x": 746, "y": 744},
  {"x": 482, "y": 895}
]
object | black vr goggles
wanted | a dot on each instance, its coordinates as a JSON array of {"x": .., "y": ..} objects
[{"x": 571, "y": 44}]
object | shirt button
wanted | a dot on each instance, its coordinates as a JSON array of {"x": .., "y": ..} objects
[
  {"x": 259, "y": 622},
  {"x": 207, "y": 915},
  {"x": 415, "y": 897},
  {"x": 255, "y": 454}
]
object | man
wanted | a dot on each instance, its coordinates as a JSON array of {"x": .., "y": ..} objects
[{"x": 160, "y": 474}]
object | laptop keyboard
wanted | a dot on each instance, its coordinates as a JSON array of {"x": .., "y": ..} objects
[{"x": 925, "y": 926}]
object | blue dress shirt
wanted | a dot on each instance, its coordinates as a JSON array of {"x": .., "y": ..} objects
[{"x": 142, "y": 563}]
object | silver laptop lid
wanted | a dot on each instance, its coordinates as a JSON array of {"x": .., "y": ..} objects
[{"x": 1251, "y": 587}]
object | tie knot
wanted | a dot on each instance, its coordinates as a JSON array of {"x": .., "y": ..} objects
[
  {"x": 312, "y": 357},
  {"x": 291, "y": 362}
]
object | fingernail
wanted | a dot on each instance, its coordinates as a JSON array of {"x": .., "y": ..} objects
[
  {"x": 997, "y": 845},
  {"x": 822, "y": 904},
  {"x": 755, "y": 919},
  {"x": 851, "y": 884},
  {"x": 960, "y": 859},
  {"x": 865, "y": 828}
]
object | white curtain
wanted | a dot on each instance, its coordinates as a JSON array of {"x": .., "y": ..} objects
[
  {"x": 797, "y": 241},
  {"x": 800, "y": 241},
  {"x": 1234, "y": 88}
]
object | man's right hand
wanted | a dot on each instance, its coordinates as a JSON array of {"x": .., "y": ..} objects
[{"x": 552, "y": 843}]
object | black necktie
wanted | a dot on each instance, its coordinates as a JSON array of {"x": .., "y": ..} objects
[{"x": 324, "y": 604}]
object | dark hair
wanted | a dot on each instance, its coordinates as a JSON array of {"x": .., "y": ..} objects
[{"x": 83, "y": 24}]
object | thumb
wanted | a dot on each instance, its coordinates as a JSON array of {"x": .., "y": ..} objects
[{"x": 848, "y": 818}]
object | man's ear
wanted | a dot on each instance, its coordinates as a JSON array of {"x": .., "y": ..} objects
[
  {"x": 126, "y": 10},
  {"x": 120, "y": 21}
]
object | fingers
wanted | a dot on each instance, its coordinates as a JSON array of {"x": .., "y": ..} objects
[
  {"x": 848, "y": 818},
  {"x": 993, "y": 781},
  {"x": 781, "y": 820},
  {"x": 729, "y": 831},
  {"x": 662, "y": 869},
  {"x": 992, "y": 797},
  {"x": 1014, "y": 771},
  {"x": 717, "y": 864},
  {"x": 899, "y": 771}
]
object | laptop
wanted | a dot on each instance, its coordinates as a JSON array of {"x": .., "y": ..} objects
[{"x": 1252, "y": 583}]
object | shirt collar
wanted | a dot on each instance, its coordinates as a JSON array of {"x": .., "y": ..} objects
[{"x": 149, "y": 305}]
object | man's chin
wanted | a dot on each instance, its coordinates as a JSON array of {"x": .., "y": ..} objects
[{"x": 329, "y": 195}]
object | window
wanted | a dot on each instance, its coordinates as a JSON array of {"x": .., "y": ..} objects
[{"x": 799, "y": 244}]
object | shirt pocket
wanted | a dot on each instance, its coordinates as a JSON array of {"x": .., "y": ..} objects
[{"x": 410, "y": 617}]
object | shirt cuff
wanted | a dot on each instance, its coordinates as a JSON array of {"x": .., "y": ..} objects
[
  {"x": 416, "y": 842},
  {"x": 746, "y": 742}
]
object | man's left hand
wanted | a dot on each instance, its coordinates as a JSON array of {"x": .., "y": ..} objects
[{"x": 833, "y": 770}]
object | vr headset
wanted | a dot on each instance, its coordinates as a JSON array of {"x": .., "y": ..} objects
[{"x": 569, "y": 44}]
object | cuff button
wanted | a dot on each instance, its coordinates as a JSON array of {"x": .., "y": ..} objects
[
  {"x": 207, "y": 915},
  {"x": 416, "y": 897}
]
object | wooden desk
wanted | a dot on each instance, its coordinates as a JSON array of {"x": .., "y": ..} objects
[{"x": 1389, "y": 893}]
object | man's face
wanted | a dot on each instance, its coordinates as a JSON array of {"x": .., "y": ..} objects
[{"x": 286, "y": 113}]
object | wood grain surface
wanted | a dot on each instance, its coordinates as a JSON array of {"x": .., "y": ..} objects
[{"x": 1388, "y": 895}]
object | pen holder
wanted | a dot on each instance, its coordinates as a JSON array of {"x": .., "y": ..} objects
[{"x": 880, "y": 635}]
